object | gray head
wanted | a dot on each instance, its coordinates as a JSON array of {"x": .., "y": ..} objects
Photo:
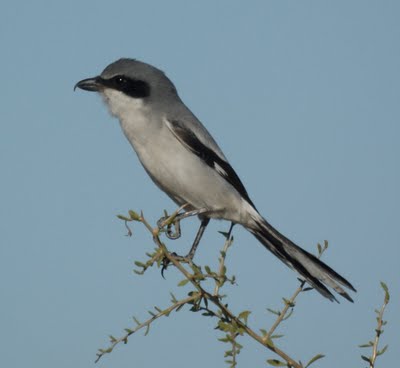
[{"x": 133, "y": 80}]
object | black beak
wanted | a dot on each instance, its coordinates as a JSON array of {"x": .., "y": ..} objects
[{"x": 91, "y": 84}]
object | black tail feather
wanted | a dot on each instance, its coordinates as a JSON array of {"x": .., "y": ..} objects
[{"x": 315, "y": 272}]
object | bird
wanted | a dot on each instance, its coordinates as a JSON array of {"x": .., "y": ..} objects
[{"x": 184, "y": 161}]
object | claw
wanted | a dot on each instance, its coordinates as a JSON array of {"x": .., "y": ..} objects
[
  {"x": 166, "y": 262},
  {"x": 170, "y": 234}
]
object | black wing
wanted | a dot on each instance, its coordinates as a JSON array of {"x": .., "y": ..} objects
[{"x": 189, "y": 139}]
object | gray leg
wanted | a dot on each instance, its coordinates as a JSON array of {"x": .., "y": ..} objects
[{"x": 200, "y": 232}]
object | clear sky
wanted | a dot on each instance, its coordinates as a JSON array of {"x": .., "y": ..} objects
[{"x": 302, "y": 96}]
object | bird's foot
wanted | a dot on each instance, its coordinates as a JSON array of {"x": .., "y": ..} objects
[
  {"x": 166, "y": 262},
  {"x": 171, "y": 234}
]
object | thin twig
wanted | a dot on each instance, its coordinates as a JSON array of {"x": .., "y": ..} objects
[
  {"x": 227, "y": 244},
  {"x": 288, "y": 304},
  {"x": 216, "y": 301},
  {"x": 379, "y": 331},
  {"x": 147, "y": 323}
]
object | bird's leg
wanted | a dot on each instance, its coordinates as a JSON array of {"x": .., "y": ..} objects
[
  {"x": 188, "y": 258},
  {"x": 200, "y": 232}
]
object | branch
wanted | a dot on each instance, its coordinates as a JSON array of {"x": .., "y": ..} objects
[
  {"x": 114, "y": 341},
  {"x": 378, "y": 331}
]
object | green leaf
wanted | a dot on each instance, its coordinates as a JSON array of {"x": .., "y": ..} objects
[
  {"x": 208, "y": 269},
  {"x": 319, "y": 248},
  {"x": 159, "y": 310},
  {"x": 121, "y": 217},
  {"x": 278, "y": 313},
  {"x": 173, "y": 299},
  {"x": 276, "y": 363},
  {"x": 183, "y": 282},
  {"x": 380, "y": 352},
  {"x": 224, "y": 233},
  {"x": 370, "y": 343},
  {"x": 263, "y": 331},
  {"x": 317, "y": 357},
  {"x": 112, "y": 338},
  {"x": 363, "y": 357},
  {"x": 288, "y": 302},
  {"x": 244, "y": 316},
  {"x": 288, "y": 314},
  {"x": 134, "y": 216},
  {"x": 387, "y": 295},
  {"x": 140, "y": 264}
]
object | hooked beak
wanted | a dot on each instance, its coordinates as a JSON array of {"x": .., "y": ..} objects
[{"x": 90, "y": 84}]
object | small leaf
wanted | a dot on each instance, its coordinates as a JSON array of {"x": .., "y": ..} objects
[
  {"x": 363, "y": 357},
  {"x": 380, "y": 352},
  {"x": 288, "y": 314},
  {"x": 276, "y": 363},
  {"x": 317, "y": 357},
  {"x": 263, "y": 332},
  {"x": 370, "y": 343},
  {"x": 278, "y": 313},
  {"x": 134, "y": 216},
  {"x": 183, "y": 282},
  {"x": 244, "y": 316},
  {"x": 112, "y": 338},
  {"x": 288, "y": 302},
  {"x": 224, "y": 233},
  {"x": 319, "y": 248},
  {"x": 140, "y": 264},
  {"x": 129, "y": 331},
  {"x": 387, "y": 295},
  {"x": 208, "y": 270},
  {"x": 124, "y": 218}
]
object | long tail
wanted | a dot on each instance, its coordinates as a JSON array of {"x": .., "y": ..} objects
[{"x": 314, "y": 271}]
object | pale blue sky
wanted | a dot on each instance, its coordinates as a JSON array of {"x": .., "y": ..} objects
[{"x": 303, "y": 97}]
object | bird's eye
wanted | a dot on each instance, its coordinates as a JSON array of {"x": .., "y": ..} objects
[{"x": 119, "y": 80}]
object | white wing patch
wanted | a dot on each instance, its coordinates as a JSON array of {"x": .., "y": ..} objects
[{"x": 220, "y": 170}]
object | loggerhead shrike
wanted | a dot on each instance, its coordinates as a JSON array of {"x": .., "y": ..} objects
[{"x": 185, "y": 162}]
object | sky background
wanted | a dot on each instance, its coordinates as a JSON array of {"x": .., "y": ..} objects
[{"x": 302, "y": 96}]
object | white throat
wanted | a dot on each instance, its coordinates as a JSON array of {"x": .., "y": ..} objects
[{"x": 121, "y": 105}]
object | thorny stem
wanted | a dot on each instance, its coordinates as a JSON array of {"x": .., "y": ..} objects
[
  {"x": 378, "y": 334},
  {"x": 214, "y": 298},
  {"x": 289, "y": 303},
  {"x": 282, "y": 314},
  {"x": 227, "y": 244},
  {"x": 216, "y": 301},
  {"x": 147, "y": 323}
]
